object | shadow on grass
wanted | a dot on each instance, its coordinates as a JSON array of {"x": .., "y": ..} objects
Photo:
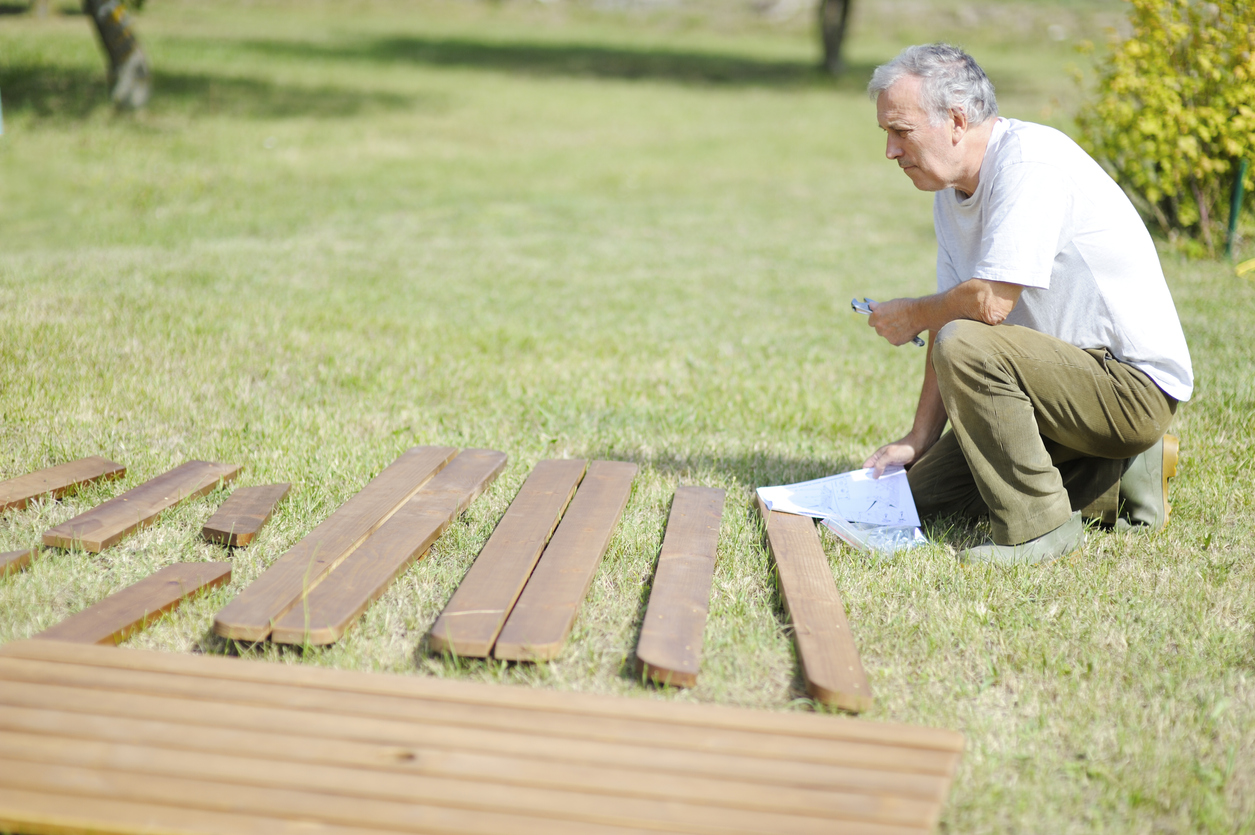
[
  {"x": 75, "y": 93},
  {"x": 574, "y": 60}
]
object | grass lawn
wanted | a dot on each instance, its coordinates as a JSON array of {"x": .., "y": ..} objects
[{"x": 341, "y": 230}]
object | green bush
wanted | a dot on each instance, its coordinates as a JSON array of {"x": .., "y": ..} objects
[{"x": 1175, "y": 110}]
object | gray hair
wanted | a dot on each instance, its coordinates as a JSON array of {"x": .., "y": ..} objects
[{"x": 952, "y": 81}]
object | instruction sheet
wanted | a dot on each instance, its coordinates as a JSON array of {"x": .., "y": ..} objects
[{"x": 854, "y": 496}]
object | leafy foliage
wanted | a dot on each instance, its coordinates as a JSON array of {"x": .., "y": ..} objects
[{"x": 1175, "y": 109}]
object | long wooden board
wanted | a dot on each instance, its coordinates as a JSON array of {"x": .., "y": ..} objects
[
  {"x": 106, "y": 524},
  {"x": 252, "y": 614},
  {"x": 95, "y": 739},
  {"x": 474, "y": 615},
  {"x": 328, "y": 610},
  {"x": 56, "y": 481},
  {"x": 125, "y": 612},
  {"x": 246, "y": 512},
  {"x": 825, "y": 646},
  {"x": 12, "y": 562},
  {"x": 542, "y": 618},
  {"x": 670, "y": 647}
]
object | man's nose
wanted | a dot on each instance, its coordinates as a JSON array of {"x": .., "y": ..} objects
[{"x": 892, "y": 149}]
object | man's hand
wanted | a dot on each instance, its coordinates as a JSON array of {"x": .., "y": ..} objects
[
  {"x": 899, "y": 453},
  {"x": 894, "y": 320}
]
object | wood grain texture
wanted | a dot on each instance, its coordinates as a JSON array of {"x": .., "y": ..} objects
[
  {"x": 288, "y": 579},
  {"x": 474, "y": 615},
  {"x": 12, "y": 562},
  {"x": 56, "y": 481},
  {"x": 541, "y": 620},
  {"x": 825, "y": 646},
  {"x": 108, "y": 523},
  {"x": 131, "y": 741},
  {"x": 670, "y": 647},
  {"x": 244, "y": 514},
  {"x": 125, "y": 612},
  {"x": 336, "y": 603}
]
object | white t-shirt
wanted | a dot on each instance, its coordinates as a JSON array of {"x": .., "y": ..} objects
[{"x": 1046, "y": 216}]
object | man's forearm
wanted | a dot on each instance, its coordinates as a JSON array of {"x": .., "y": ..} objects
[
  {"x": 930, "y": 412},
  {"x": 898, "y": 320}
]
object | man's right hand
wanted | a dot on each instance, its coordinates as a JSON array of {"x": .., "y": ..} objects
[{"x": 899, "y": 453}]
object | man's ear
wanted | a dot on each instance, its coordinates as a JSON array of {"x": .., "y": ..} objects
[{"x": 958, "y": 124}]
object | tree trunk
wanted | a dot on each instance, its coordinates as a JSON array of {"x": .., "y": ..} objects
[
  {"x": 130, "y": 81},
  {"x": 833, "y": 17}
]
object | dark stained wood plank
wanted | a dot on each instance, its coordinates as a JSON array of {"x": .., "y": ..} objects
[
  {"x": 252, "y": 614},
  {"x": 56, "y": 481},
  {"x": 334, "y": 604},
  {"x": 670, "y": 647},
  {"x": 542, "y": 618},
  {"x": 246, "y": 512},
  {"x": 12, "y": 562},
  {"x": 825, "y": 646},
  {"x": 125, "y": 612},
  {"x": 474, "y": 615},
  {"x": 106, "y": 524}
]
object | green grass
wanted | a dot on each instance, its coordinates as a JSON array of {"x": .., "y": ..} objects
[{"x": 555, "y": 231}]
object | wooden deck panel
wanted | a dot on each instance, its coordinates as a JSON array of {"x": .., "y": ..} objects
[
  {"x": 123, "y": 739},
  {"x": 474, "y": 615},
  {"x": 251, "y": 615},
  {"x": 107, "y": 523},
  {"x": 328, "y": 610},
  {"x": 825, "y": 646},
  {"x": 127, "y": 611},
  {"x": 56, "y": 481},
  {"x": 670, "y": 647},
  {"x": 244, "y": 514},
  {"x": 541, "y": 620},
  {"x": 12, "y": 562}
]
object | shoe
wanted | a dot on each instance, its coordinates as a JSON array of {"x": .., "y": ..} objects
[
  {"x": 1144, "y": 487},
  {"x": 1060, "y": 542}
]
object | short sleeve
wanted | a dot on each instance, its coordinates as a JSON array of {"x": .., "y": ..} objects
[{"x": 1025, "y": 211}]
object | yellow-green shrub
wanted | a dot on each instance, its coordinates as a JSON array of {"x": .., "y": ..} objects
[{"x": 1175, "y": 109}]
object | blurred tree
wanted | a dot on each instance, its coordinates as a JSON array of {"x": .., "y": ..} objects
[
  {"x": 130, "y": 81},
  {"x": 833, "y": 17}
]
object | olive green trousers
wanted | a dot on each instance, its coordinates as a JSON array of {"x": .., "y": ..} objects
[{"x": 1039, "y": 428}]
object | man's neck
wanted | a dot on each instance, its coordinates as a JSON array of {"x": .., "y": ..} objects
[{"x": 975, "y": 143}]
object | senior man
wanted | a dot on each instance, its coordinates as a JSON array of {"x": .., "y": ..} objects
[{"x": 1054, "y": 347}]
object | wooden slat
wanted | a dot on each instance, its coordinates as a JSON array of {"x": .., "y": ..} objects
[
  {"x": 670, "y": 647},
  {"x": 357, "y": 582},
  {"x": 12, "y": 562},
  {"x": 56, "y": 481},
  {"x": 825, "y": 646},
  {"x": 106, "y": 524},
  {"x": 542, "y": 618},
  {"x": 250, "y": 616},
  {"x": 473, "y": 617},
  {"x": 246, "y": 512},
  {"x": 125, "y": 612}
]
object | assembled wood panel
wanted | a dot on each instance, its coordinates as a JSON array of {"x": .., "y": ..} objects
[
  {"x": 244, "y": 514},
  {"x": 95, "y": 739},
  {"x": 56, "y": 481},
  {"x": 825, "y": 646},
  {"x": 12, "y": 562},
  {"x": 252, "y": 614},
  {"x": 334, "y": 604},
  {"x": 474, "y": 615},
  {"x": 108, "y": 523},
  {"x": 542, "y": 618},
  {"x": 125, "y": 612},
  {"x": 670, "y": 647}
]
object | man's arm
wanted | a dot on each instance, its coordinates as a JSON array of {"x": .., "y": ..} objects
[
  {"x": 930, "y": 419},
  {"x": 900, "y": 320}
]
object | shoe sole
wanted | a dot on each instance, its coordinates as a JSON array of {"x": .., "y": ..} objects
[{"x": 1171, "y": 451}]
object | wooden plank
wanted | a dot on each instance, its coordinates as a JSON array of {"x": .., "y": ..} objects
[
  {"x": 541, "y": 620},
  {"x": 106, "y": 524},
  {"x": 357, "y": 582},
  {"x": 251, "y": 615},
  {"x": 473, "y": 617},
  {"x": 56, "y": 481},
  {"x": 246, "y": 512},
  {"x": 12, "y": 562},
  {"x": 670, "y": 647},
  {"x": 125, "y": 612},
  {"x": 825, "y": 646}
]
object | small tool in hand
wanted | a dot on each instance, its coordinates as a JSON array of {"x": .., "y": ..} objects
[{"x": 864, "y": 307}]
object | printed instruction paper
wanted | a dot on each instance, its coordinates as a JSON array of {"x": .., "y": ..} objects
[{"x": 854, "y": 496}]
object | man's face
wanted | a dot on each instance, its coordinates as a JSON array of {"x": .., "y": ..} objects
[{"x": 926, "y": 152}]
